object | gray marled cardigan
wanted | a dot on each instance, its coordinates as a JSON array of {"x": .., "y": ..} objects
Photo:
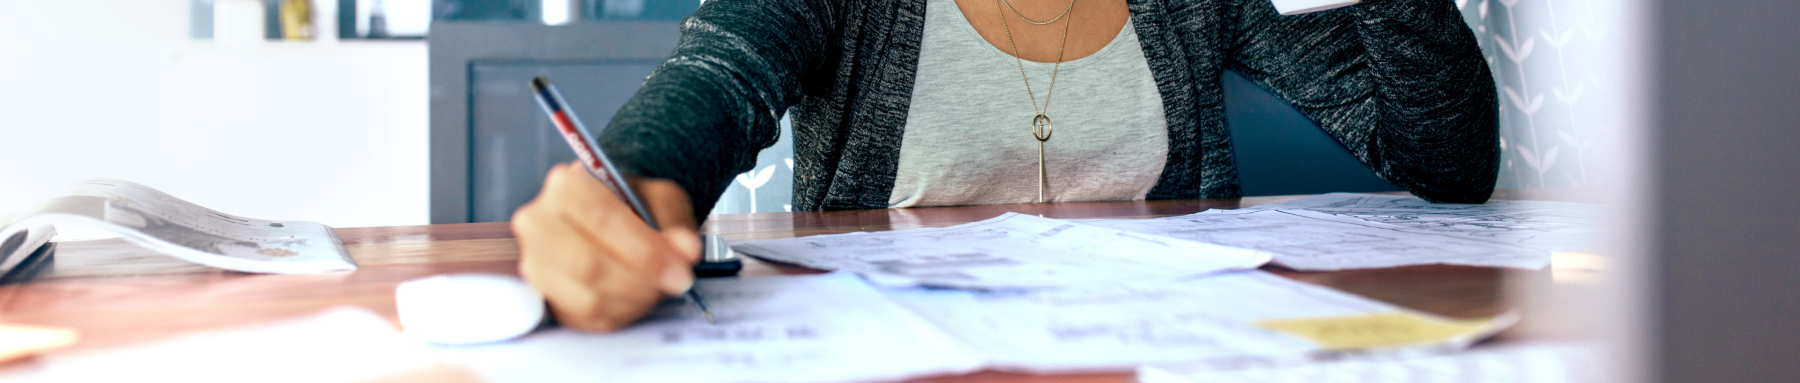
[{"x": 1401, "y": 83}]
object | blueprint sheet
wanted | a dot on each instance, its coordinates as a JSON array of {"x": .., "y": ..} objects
[
  {"x": 1123, "y": 326},
  {"x": 1312, "y": 241},
  {"x": 820, "y": 328},
  {"x": 1012, "y": 251},
  {"x": 1543, "y": 225}
]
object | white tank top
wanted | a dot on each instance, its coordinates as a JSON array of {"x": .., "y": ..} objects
[{"x": 968, "y": 131}]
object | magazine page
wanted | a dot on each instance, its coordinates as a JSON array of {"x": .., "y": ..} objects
[
  {"x": 18, "y": 245},
  {"x": 168, "y": 225}
]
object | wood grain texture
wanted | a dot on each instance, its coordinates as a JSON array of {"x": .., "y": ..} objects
[{"x": 142, "y": 297}]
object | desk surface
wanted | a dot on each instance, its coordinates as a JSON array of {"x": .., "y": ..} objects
[{"x": 126, "y": 305}]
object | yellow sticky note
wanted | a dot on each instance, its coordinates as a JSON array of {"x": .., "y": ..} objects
[
  {"x": 1376, "y": 330},
  {"x": 20, "y": 341}
]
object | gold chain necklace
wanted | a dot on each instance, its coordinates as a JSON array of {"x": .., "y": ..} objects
[
  {"x": 1059, "y": 16},
  {"x": 1040, "y": 125}
]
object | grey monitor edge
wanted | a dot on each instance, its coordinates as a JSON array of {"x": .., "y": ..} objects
[
  {"x": 456, "y": 46},
  {"x": 512, "y": 142}
]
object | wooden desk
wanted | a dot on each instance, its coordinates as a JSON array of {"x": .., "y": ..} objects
[{"x": 111, "y": 309}]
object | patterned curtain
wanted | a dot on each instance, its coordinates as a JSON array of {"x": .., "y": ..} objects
[
  {"x": 770, "y": 185},
  {"x": 1554, "y": 61}
]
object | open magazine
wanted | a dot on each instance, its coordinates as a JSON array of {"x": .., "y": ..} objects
[
  {"x": 165, "y": 224},
  {"x": 18, "y": 248}
]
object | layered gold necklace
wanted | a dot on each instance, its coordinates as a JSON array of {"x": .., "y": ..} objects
[{"x": 1040, "y": 124}]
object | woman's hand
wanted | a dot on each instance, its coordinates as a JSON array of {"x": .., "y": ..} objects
[{"x": 600, "y": 266}]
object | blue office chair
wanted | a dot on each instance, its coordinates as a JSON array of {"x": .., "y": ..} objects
[{"x": 1280, "y": 152}]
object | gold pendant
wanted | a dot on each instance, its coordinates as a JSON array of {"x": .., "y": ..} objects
[{"x": 1041, "y": 130}]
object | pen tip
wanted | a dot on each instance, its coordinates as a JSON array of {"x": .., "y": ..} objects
[{"x": 709, "y": 317}]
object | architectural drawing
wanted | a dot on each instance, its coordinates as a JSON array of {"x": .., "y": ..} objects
[
  {"x": 1123, "y": 326},
  {"x": 1012, "y": 251},
  {"x": 1304, "y": 240},
  {"x": 817, "y": 328},
  {"x": 1543, "y": 225}
]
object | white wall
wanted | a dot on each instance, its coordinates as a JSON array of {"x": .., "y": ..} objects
[{"x": 113, "y": 88}]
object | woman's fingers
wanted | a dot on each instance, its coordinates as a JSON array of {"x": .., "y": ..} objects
[
  {"x": 600, "y": 266},
  {"x": 555, "y": 267},
  {"x": 610, "y": 226}
]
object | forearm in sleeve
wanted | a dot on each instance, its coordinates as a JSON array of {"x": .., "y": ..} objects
[
  {"x": 1402, "y": 83},
  {"x": 703, "y": 115}
]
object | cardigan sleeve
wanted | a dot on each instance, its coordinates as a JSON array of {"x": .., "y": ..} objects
[
  {"x": 1401, "y": 83},
  {"x": 702, "y": 116}
]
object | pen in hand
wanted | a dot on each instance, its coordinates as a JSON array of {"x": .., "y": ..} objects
[{"x": 598, "y": 164}]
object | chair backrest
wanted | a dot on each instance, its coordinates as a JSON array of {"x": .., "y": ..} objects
[{"x": 1279, "y": 151}]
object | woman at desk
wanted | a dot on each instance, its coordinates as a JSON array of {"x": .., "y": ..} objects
[{"x": 958, "y": 102}]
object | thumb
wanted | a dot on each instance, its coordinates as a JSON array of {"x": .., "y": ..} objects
[{"x": 674, "y": 214}]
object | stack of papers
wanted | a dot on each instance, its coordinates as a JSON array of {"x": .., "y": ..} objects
[
  {"x": 1310, "y": 241},
  {"x": 1360, "y": 231},
  {"x": 1321, "y": 233},
  {"x": 1015, "y": 293},
  {"x": 836, "y": 327},
  {"x": 1012, "y": 251},
  {"x": 817, "y": 328},
  {"x": 1235, "y": 316},
  {"x": 1543, "y": 225},
  {"x": 820, "y": 328},
  {"x": 1031, "y": 294}
]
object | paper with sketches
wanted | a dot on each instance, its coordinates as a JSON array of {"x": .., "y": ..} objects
[
  {"x": 1544, "y": 225},
  {"x": 160, "y": 222},
  {"x": 349, "y": 344},
  {"x": 1305, "y": 240},
  {"x": 1524, "y": 363},
  {"x": 1124, "y": 326},
  {"x": 821, "y": 328},
  {"x": 1012, "y": 251}
]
